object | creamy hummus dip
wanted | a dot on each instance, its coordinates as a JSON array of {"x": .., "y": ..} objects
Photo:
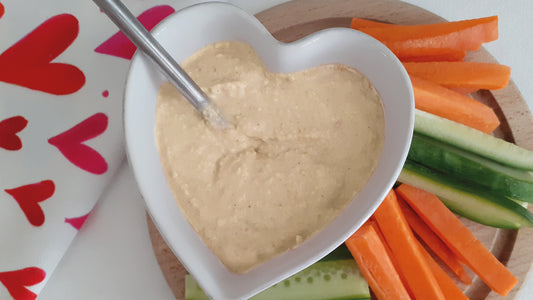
[{"x": 301, "y": 147}]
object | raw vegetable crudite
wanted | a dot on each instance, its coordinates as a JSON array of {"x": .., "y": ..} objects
[
  {"x": 477, "y": 205},
  {"x": 435, "y": 99},
  {"x": 460, "y": 240},
  {"x": 371, "y": 254},
  {"x": 385, "y": 249},
  {"x": 332, "y": 279},
  {"x": 472, "y": 140},
  {"x": 408, "y": 41},
  {"x": 465, "y": 74},
  {"x": 433, "y": 242},
  {"x": 473, "y": 169},
  {"x": 405, "y": 252},
  {"x": 454, "y": 164},
  {"x": 446, "y": 284}
]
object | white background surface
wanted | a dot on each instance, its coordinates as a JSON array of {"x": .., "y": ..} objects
[{"x": 112, "y": 257}]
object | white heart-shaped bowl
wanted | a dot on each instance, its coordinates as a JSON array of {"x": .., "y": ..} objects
[{"x": 197, "y": 26}]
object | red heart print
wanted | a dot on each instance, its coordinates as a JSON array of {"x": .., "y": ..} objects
[
  {"x": 8, "y": 132},
  {"x": 2, "y": 10},
  {"x": 120, "y": 46},
  {"x": 28, "y": 62},
  {"x": 17, "y": 281},
  {"x": 28, "y": 198},
  {"x": 77, "y": 222},
  {"x": 70, "y": 144}
]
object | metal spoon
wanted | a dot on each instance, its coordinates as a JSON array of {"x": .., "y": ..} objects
[{"x": 145, "y": 41}]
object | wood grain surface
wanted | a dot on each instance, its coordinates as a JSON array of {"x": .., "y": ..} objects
[{"x": 293, "y": 20}]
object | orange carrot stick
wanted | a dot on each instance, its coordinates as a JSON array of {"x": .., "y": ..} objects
[
  {"x": 430, "y": 54},
  {"x": 433, "y": 242},
  {"x": 461, "y": 35},
  {"x": 375, "y": 263},
  {"x": 420, "y": 54},
  {"x": 460, "y": 240},
  {"x": 393, "y": 260},
  {"x": 448, "y": 287},
  {"x": 474, "y": 75},
  {"x": 440, "y": 101},
  {"x": 402, "y": 242},
  {"x": 414, "y": 54},
  {"x": 464, "y": 91}
]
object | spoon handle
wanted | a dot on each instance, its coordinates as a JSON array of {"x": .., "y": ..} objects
[{"x": 144, "y": 40}]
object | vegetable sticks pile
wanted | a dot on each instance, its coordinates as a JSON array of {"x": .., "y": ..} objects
[
  {"x": 433, "y": 56},
  {"x": 397, "y": 266},
  {"x": 444, "y": 158}
]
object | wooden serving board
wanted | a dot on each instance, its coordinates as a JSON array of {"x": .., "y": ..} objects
[{"x": 293, "y": 20}]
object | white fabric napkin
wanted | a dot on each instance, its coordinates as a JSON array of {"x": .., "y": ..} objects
[{"x": 63, "y": 67}]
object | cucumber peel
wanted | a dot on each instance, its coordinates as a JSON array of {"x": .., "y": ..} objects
[
  {"x": 473, "y": 203},
  {"x": 500, "y": 179},
  {"x": 473, "y": 140},
  {"x": 333, "y": 279}
]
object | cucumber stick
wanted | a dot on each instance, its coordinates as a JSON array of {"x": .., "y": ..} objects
[
  {"x": 500, "y": 179},
  {"x": 473, "y": 203},
  {"x": 334, "y": 279},
  {"x": 472, "y": 140}
]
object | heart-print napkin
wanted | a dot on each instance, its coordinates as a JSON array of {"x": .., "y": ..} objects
[{"x": 63, "y": 67}]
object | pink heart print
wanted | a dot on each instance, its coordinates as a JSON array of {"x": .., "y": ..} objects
[
  {"x": 17, "y": 281},
  {"x": 77, "y": 222},
  {"x": 120, "y": 46},
  {"x": 28, "y": 63},
  {"x": 28, "y": 198},
  {"x": 8, "y": 132},
  {"x": 70, "y": 144}
]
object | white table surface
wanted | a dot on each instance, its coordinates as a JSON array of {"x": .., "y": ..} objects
[{"x": 112, "y": 257}]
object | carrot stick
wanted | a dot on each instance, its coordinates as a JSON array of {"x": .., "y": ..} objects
[
  {"x": 393, "y": 260},
  {"x": 440, "y": 101},
  {"x": 430, "y": 54},
  {"x": 464, "y": 91},
  {"x": 461, "y": 35},
  {"x": 460, "y": 240},
  {"x": 375, "y": 263},
  {"x": 414, "y": 54},
  {"x": 402, "y": 242},
  {"x": 448, "y": 287},
  {"x": 474, "y": 75},
  {"x": 433, "y": 242}
]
